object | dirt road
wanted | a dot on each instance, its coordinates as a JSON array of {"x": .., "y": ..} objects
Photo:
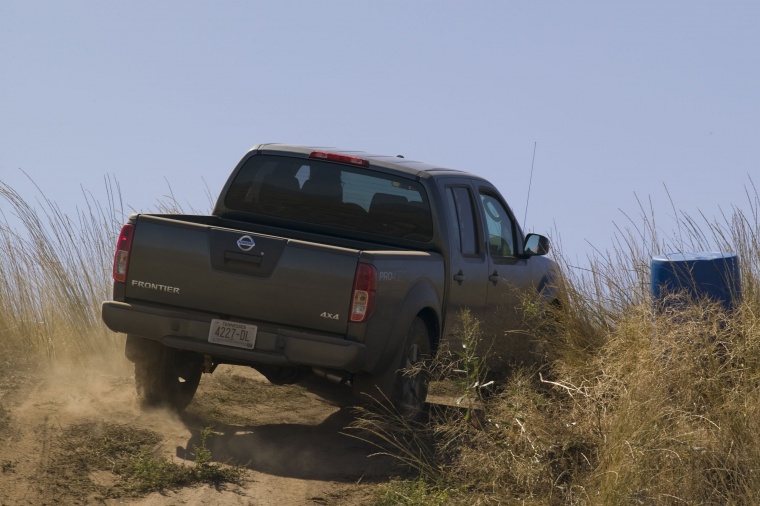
[{"x": 289, "y": 440}]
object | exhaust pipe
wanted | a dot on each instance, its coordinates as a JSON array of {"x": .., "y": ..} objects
[{"x": 340, "y": 377}]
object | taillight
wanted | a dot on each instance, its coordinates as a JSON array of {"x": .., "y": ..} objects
[
  {"x": 363, "y": 298},
  {"x": 121, "y": 258},
  {"x": 334, "y": 157}
]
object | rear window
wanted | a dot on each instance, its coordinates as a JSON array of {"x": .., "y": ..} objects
[{"x": 331, "y": 194}]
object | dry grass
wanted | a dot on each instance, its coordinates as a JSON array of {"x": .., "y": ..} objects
[
  {"x": 631, "y": 407},
  {"x": 54, "y": 273},
  {"x": 93, "y": 461}
]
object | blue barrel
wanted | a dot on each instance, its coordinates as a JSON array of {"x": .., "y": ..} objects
[{"x": 710, "y": 275}]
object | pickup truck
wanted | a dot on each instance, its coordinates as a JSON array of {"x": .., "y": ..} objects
[{"x": 319, "y": 261}]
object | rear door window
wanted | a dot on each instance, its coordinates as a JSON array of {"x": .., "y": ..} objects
[{"x": 463, "y": 218}]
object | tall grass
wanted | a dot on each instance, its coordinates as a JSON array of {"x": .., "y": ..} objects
[
  {"x": 631, "y": 406},
  {"x": 54, "y": 273}
]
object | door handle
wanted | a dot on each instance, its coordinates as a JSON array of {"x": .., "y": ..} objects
[
  {"x": 459, "y": 277},
  {"x": 494, "y": 278}
]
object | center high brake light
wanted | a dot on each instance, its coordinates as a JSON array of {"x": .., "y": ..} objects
[
  {"x": 121, "y": 257},
  {"x": 333, "y": 157},
  {"x": 363, "y": 297}
]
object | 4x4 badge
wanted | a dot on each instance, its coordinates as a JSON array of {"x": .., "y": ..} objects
[{"x": 246, "y": 243}]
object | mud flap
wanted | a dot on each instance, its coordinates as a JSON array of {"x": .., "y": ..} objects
[
  {"x": 140, "y": 349},
  {"x": 366, "y": 387}
]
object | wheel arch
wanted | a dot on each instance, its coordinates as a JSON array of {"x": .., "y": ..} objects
[{"x": 433, "y": 325}]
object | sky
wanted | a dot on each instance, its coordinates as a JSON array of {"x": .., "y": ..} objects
[{"x": 622, "y": 101}]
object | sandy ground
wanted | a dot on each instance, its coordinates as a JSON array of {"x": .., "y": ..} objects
[{"x": 290, "y": 440}]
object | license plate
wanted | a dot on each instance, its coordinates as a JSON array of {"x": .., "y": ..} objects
[{"x": 235, "y": 334}]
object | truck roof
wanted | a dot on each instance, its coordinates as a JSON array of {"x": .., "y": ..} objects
[{"x": 397, "y": 162}]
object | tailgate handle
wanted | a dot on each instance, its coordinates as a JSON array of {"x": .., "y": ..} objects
[{"x": 232, "y": 256}]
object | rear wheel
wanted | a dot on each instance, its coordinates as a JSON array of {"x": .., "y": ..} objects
[
  {"x": 411, "y": 385},
  {"x": 169, "y": 381}
]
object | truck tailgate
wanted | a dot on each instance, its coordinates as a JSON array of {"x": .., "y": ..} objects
[{"x": 238, "y": 274}]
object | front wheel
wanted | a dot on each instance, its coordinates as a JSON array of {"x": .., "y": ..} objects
[
  {"x": 411, "y": 384},
  {"x": 171, "y": 380}
]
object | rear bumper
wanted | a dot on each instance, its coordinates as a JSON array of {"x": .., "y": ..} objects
[{"x": 275, "y": 346}]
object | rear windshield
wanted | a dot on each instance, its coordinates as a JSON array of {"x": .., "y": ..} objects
[{"x": 331, "y": 194}]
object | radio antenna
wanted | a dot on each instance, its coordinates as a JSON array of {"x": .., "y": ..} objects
[{"x": 530, "y": 182}]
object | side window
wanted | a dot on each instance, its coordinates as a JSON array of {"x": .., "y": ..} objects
[
  {"x": 501, "y": 236},
  {"x": 462, "y": 216}
]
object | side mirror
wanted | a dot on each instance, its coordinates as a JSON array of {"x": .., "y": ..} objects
[{"x": 536, "y": 245}]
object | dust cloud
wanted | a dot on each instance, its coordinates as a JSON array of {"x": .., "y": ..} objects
[{"x": 288, "y": 439}]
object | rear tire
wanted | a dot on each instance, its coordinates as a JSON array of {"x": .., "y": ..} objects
[
  {"x": 169, "y": 381},
  {"x": 410, "y": 390}
]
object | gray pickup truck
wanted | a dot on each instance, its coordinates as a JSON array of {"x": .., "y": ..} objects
[{"x": 320, "y": 261}]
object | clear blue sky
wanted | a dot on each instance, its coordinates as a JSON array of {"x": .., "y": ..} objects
[{"x": 621, "y": 98}]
